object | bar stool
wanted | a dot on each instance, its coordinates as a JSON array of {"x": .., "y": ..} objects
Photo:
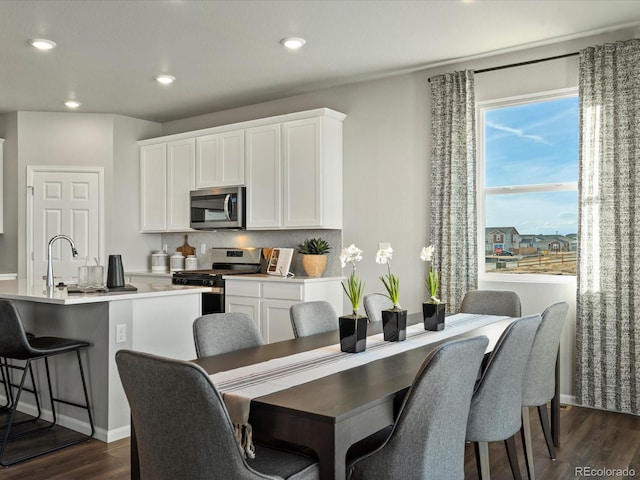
[
  {"x": 14, "y": 345},
  {"x": 5, "y": 379}
]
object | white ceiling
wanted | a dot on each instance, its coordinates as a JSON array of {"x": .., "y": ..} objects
[{"x": 226, "y": 54}]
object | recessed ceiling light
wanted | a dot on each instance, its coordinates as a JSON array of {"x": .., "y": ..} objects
[
  {"x": 165, "y": 79},
  {"x": 293, "y": 43},
  {"x": 42, "y": 43},
  {"x": 72, "y": 103}
]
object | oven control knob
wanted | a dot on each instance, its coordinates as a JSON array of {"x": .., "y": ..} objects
[{"x": 210, "y": 283}]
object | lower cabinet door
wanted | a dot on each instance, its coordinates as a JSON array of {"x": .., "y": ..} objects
[
  {"x": 248, "y": 305},
  {"x": 276, "y": 322}
]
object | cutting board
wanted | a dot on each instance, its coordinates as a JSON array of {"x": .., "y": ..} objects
[{"x": 186, "y": 249}]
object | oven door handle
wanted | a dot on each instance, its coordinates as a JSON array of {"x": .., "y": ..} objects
[
  {"x": 227, "y": 200},
  {"x": 217, "y": 290}
]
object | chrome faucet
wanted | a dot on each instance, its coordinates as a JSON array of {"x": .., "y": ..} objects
[{"x": 49, "y": 263}]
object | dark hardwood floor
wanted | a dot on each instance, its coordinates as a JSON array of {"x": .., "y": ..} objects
[{"x": 589, "y": 438}]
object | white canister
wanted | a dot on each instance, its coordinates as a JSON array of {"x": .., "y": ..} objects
[
  {"x": 160, "y": 262},
  {"x": 191, "y": 263},
  {"x": 177, "y": 262}
]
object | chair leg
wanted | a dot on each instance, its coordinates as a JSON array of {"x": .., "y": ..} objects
[
  {"x": 5, "y": 382},
  {"x": 14, "y": 407},
  {"x": 525, "y": 431},
  {"x": 482, "y": 460},
  {"x": 86, "y": 394},
  {"x": 510, "y": 443},
  {"x": 544, "y": 421}
]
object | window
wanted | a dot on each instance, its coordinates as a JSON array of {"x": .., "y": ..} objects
[{"x": 528, "y": 182}]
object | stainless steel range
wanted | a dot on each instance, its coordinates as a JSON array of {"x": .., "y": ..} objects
[{"x": 226, "y": 261}]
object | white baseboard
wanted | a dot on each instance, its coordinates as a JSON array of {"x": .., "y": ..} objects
[
  {"x": 568, "y": 399},
  {"x": 101, "y": 434}
]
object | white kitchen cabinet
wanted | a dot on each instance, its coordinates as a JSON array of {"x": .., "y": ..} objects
[
  {"x": 267, "y": 300},
  {"x": 291, "y": 165},
  {"x": 166, "y": 178},
  {"x": 264, "y": 177},
  {"x": 220, "y": 159},
  {"x": 153, "y": 187},
  {"x": 295, "y": 181}
]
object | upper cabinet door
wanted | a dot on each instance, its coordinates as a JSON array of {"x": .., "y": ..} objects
[
  {"x": 153, "y": 187},
  {"x": 220, "y": 159},
  {"x": 312, "y": 164},
  {"x": 302, "y": 163},
  {"x": 181, "y": 157},
  {"x": 264, "y": 177}
]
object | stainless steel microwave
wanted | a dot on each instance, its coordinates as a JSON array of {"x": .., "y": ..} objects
[{"x": 218, "y": 208}]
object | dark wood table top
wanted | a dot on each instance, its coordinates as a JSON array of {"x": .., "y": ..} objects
[{"x": 342, "y": 394}]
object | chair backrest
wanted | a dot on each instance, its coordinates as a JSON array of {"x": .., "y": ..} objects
[
  {"x": 497, "y": 402},
  {"x": 492, "y": 302},
  {"x": 13, "y": 338},
  {"x": 539, "y": 379},
  {"x": 182, "y": 427},
  {"x": 374, "y": 303},
  {"x": 309, "y": 318},
  {"x": 218, "y": 333},
  {"x": 428, "y": 439}
]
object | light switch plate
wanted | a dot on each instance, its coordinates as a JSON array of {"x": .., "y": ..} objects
[
  {"x": 203, "y": 248},
  {"x": 121, "y": 333}
]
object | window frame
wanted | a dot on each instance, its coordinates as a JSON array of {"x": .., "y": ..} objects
[{"x": 482, "y": 192}]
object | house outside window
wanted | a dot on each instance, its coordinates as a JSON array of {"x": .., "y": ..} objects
[{"x": 528, "y": 184}]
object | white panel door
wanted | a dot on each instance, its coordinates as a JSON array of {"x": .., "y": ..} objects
[
  {"x": 65, "y": 202},
  {"x": 250, "y": 306}
]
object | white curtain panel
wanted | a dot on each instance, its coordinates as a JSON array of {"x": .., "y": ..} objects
[
  {"x": 608, "y": 303},
  {"x": 453, "y": 185}
]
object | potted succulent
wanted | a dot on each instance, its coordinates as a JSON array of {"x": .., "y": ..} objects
[{"x": 314, "y": 256}]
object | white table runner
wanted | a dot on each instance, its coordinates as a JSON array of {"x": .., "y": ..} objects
[
  {"x": 278, "y": 374},
  {"x": 240, "y": 385}
]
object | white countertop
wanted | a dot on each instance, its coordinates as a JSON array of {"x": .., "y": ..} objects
[
  {"x": 263, "y": 277},
  {"x": 20, "y": 290}
]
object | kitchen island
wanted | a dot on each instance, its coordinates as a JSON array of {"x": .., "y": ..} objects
[{"x": 155, "y": 319}]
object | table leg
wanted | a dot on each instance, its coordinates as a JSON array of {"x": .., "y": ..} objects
[
  {"x": 555, "y": 406},
  {"x": 135, "y": 463}
]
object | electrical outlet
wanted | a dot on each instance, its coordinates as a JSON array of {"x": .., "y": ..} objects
[
  {"x": 121, "y": 333},
  {"x": 383, "y": 245},
  {"x": 203, "y": 248}
]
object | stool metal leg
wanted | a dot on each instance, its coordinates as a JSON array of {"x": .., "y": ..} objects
[{"x": 86, "y": 406}]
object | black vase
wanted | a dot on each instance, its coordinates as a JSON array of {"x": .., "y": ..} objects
[
  {"x": 115, "y": 272},
  {"x": 394, "y": 325},
  {"x": 433, "y": 315},
  {"x": 353, "y": 333}
]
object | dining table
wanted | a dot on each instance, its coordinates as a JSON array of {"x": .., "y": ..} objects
[{"x": 330, "y": 414}]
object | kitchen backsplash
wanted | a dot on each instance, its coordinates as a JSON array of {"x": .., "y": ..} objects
[{"x": 262, "y": 239}]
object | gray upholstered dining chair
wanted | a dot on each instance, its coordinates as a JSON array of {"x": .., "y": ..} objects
[
  {"x": 427, "y": 440},
  {"x": 309, "y": 318},
  {"x": 540, "y": 379},
  {"x": 218, "y": 333},
  {"x": 492, "y": 302},
  {"x": 496, "y": 404},
  {"x": 374, "y": 303},
  {"x": 183, "y": 429}
]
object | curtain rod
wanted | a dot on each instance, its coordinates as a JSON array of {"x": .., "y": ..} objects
[{"x": 521, "y": 64}]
